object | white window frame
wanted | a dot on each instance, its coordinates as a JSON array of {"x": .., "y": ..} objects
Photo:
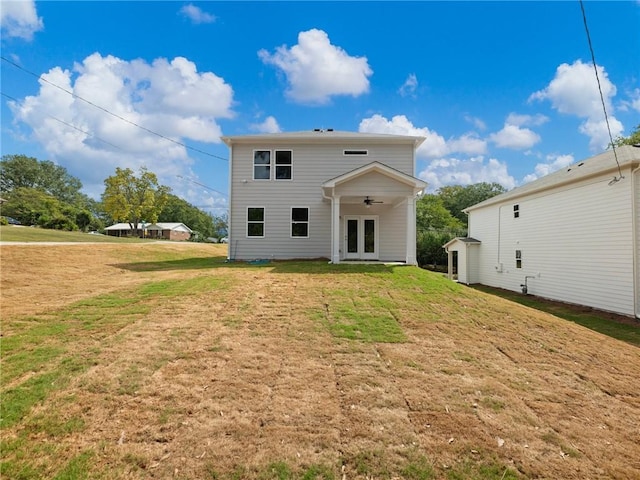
[
  {"x": 292, "y": 222},
  {"x": 275, "y": 165},
  {"x": 264, "y": 222},
  {"x": 269, "y": 165}
]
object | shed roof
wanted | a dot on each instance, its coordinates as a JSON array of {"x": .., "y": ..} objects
[{"x": 628, "y": 156}]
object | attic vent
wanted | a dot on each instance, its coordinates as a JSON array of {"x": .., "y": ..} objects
[{"x": 356, "y": 152}]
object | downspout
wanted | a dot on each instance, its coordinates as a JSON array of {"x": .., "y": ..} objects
[
  {"x": 635, "y": 184},
  {"x": 230, "y": 257}
]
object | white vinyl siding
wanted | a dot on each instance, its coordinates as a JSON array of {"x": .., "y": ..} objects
[
  {"x": 314, "y": 164},
  {"x": 576, "y": 241}
]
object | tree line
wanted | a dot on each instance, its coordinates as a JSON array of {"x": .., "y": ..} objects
[{"x": 44, "y": 194}]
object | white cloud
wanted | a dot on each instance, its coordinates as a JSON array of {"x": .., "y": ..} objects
[
  {"x": 574, "y": 91},
  {"x": 19, "y": 19},
  {"x": 434, "y": 146},
  {"x": 196, "y": 14},
  {"x": 409, "y": 86},
  {"x": 454, "y": 171},
  {"x": 169, "y": 98},
  {"x": 476, "y": 122},
  {"x": 634, "y": 100},
  {"x": 515, "y": 137},
  {"x": 526, "y": 120},
  {"x": 270, "y": 125},
  {"x": 316, "y": 70},
  {"x": 553, "y": 163},
  {"x": 469, "y": 144}
]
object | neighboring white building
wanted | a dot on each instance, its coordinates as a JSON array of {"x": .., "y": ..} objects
[
  {"x": 572, "y": 236},
  {"x": 323, "y": 194},
  {"x": 166, "y": 230}
]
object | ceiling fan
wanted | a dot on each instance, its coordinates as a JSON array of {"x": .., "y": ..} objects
[{"x": 368, "y": 201}]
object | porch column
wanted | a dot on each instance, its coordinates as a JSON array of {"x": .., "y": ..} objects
[
  {"x": 411, "y": 231},
  {"x": 449, "y": 264},
  {"x": 335, "y": 229}
]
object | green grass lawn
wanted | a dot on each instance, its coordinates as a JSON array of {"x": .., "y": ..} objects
[
  {"x": 361, "y": 306},
  {"x": 601, "y": 322},
  {"x": 15, "y": 233}
]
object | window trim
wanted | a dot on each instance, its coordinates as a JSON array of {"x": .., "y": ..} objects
[
  {"x": 275, "y": 165},
  {"x": 292, "y": 222},
  {"x": 263, "y": 222},
  {"x": 269, "y": 165}
]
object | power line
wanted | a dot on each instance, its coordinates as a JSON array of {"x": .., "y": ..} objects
[
  {"x": 111, "y": 113},
  {"x": 604, "y": 108},
  {"x": 202, "y": 185},
  {"x": 68, "y": 124}
]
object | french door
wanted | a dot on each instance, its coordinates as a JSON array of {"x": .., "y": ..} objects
[{"x": 361, "y": 237}]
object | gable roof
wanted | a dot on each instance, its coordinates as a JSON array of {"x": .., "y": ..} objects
[
  {"x": 324, "y": 136},
  {"x": 628, "y": 156},
  {"x": 376, "y": 167}
]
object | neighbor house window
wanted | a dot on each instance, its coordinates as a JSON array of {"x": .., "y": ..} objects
[
  {"x": 299, "y": 222},
  {"x": 516, "y": 211},
  {"x": 262, "y": 165},
  {"x": 255, "y": 222},
  {"x": 283, "y": 165},
  {"x": 355, "y": 152},
  {"x": 518, "y": 258}
]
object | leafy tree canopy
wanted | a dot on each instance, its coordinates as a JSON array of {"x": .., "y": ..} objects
[
  {"x": 132, "y": 199},
  {"x": 633, "y": 139},
  {"x": 204, "y": 225},
  {"x": 456, "y": 198},
  {"x": 20, "y": 171},
  {"x": 431, "y": 214}
]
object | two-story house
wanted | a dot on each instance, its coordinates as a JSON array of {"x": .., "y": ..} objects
[
  {"x": 573, "y": 236},
  {"x": 323, "y": 194}
]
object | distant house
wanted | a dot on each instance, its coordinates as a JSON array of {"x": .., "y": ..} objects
[
  {"x": 161, "y": 230},
  {"x": 323, "y": 194},
  {"x": 573, "y": 236}
]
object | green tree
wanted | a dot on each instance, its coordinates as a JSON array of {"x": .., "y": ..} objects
[
  {"x": 132, "y": 199},
  {"x": 35, "y": 207},
  {"x": 18, "y": 171},
  {"x": 456, "y": 198},
  {"x": 633, "y": 139},
  {"x": 431, "y": 214},
  {"x": 178, "y": 210}
]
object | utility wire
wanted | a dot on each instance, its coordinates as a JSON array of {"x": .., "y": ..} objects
[
  {"x": 202, "y": 185},
  {"x": 68, "y": 124},
  {"x": 39, "y": 77},
  {"x": 604, "y": 108}
]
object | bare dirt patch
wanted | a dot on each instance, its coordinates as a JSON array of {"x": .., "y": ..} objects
[{"x": 245, "y": 376}]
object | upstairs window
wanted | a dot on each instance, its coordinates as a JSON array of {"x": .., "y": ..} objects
[
  {"x": 284, "y": 165},
  {"x": 516, "y": 211},
  {"x": 255, "y": 222},
  {"x": 299, "y": 222},
  {"x": 262, "y": 165}
]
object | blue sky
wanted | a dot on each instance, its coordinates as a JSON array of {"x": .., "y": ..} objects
[{"x": 504, "y": 91}]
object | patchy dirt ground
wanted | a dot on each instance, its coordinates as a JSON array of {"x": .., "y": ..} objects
[{"x": 244, "y": 375}]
